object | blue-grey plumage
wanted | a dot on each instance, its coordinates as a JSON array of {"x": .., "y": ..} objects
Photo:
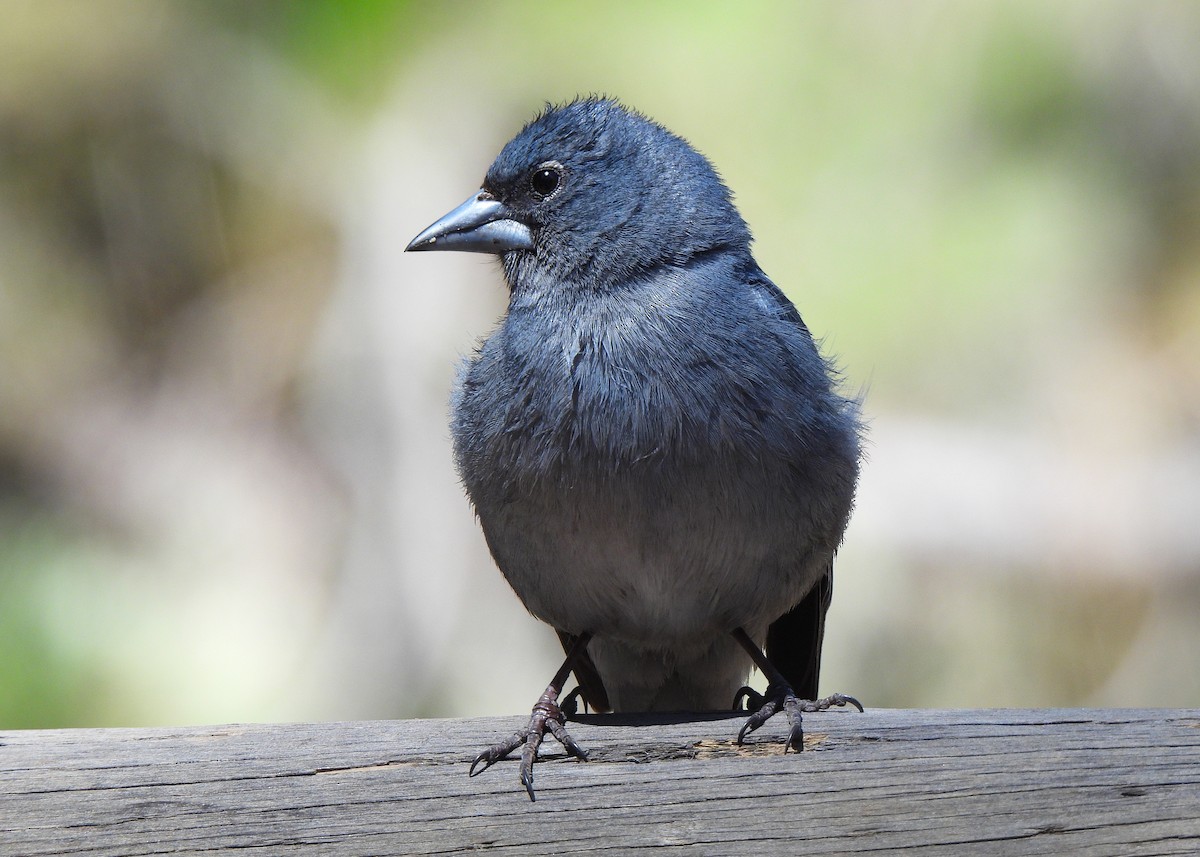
[{"x": 657, "y": 451}]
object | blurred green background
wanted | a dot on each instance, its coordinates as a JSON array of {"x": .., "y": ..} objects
[{"x": 226, "y": 489}]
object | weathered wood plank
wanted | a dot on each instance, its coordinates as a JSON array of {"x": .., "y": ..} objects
[{"x": 1087, "y": 782}]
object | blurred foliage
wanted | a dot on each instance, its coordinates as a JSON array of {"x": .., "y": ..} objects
[
  {"x": 43, "y": 684},
  {"x": 990, "y": 210},
  {"x": 355, "y": 48}
]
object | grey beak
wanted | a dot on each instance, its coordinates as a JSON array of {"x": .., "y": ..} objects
[{"x": 482, "y": 224}]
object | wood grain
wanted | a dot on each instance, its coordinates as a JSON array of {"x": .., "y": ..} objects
[{"x": 1089, "y": 782}]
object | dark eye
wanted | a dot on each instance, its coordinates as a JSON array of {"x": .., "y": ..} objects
[{"x": 545, "y": 180}]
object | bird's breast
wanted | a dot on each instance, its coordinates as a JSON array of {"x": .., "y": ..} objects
[{"x": 636, "y": 482}]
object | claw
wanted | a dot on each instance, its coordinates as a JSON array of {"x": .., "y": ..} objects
[
  {"x": 563, "y": 737},
  {"x": 765, "y": 711},
  {"x": 529, "y": 754},
  {"x": 841, "y": 699},
  {"x": 496, "y": 752},
  {"x": 752, "y": 698},
  {"x": 781, "y": 695},
  {"x": 546, "y": 715}
]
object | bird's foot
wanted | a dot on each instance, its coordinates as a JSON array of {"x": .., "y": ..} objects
[
  {"x": 781, "y": 696},
  {"x": 546, "y": 715}
]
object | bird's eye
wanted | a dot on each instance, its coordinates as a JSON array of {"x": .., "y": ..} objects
[{"x": 545, "y": 179}]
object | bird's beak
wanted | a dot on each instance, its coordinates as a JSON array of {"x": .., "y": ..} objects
[{"x": 482, "y": 224}]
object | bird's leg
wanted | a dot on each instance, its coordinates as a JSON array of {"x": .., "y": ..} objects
[
  {"x": 780, "y": 695},
  {"x": 546, "y": 715}
]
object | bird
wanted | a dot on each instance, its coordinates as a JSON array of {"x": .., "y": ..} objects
[{"x": 660, "y": 458}]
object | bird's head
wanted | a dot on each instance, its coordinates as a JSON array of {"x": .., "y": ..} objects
[{"x": 590, "y": 194}]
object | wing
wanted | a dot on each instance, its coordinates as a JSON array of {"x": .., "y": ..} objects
[{"x": 794, "y": 639}]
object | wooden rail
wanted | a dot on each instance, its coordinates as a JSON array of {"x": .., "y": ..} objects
[{"x": 1092, "y": 782}]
